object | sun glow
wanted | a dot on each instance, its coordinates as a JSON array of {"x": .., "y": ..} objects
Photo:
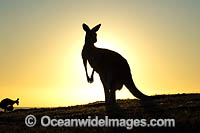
[{"x": 41, "y": 44}]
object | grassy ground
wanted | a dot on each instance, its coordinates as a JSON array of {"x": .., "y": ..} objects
[{"x": 184, "y": 108}]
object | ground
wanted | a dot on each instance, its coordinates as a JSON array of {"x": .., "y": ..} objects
[{"x": 183, "y": 108}]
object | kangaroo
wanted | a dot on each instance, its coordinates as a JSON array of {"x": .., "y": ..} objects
[
  {"x": 7, "y": 104},
  {"x": 113, "y": 69}
]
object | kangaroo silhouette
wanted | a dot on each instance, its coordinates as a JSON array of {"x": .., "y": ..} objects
[
  {"x": 7, "y": 104},
  {"x": 113, "y": 69}
]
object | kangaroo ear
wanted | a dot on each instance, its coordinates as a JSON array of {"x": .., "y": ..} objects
[
  {"x": 85, "y": 27},
  {"x": 96, "y": 28}
]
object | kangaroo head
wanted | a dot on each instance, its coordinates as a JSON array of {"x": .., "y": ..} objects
[
  {"x": 17, "y": 101},
  {"x": 91, "y": 35}
]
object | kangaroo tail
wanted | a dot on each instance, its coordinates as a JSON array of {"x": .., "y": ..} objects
[{"x": 133, "y": 89}]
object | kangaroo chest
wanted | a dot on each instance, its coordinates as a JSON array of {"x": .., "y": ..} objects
[{"x": 94, "y": 57}]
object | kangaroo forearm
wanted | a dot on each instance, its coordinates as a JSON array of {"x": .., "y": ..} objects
[
  {"x": 85, "y": 65},
  {"x": 92, "y": 73},
  {"x": 86, "y": 72}
]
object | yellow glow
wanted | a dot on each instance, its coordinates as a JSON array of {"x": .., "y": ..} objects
[{"x": 41, "y": 44}]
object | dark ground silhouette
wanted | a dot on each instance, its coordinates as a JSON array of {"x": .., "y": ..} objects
[{"x": 184, "y": 108}]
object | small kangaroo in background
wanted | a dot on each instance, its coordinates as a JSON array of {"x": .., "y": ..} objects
[
  {"x": 112, "y": 68},
  {"x": 7, "y": 104}
]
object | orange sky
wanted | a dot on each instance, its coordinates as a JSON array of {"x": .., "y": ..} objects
[{"x": 41, "y": 43}]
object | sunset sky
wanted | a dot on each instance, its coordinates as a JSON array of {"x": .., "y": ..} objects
[{"x": 41, "y": 43}]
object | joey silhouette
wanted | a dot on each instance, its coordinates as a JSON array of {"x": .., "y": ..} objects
[
  {"x": 112, "y": 68},
  {"x": 7, "y": 104}
]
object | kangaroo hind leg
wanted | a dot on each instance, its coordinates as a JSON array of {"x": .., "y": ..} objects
[
  {"x": 108, "y": 90},
  {"x": 112, "y": 96}
]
